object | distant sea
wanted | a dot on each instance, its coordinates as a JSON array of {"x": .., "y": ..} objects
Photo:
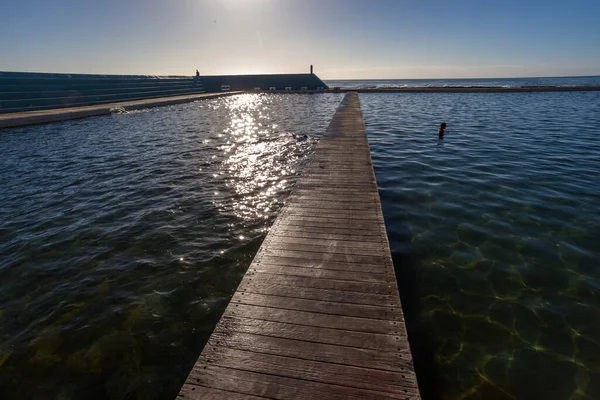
[{"x": 495, "y": 82}]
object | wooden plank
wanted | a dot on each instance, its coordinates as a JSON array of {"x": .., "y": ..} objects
[
  {"x": 324, "y": 233},
  {"x": 350, "y": 225},
  {"x": 326, "y": 257},
  {"x": 307, "y": 234},
  {"x": 348, "y": 184},
  {"x": 325, "y": 166},
  {"x": 346, "y": 176},
  {"x": 301, "y": 349},
  {"x": 189, "y": 392},
  {"x": 359, "y": 340},
  {"x": 340, "y": 212},
  {"x": 317, "y": 306},
  {"x": 334, "y": 198},
  {"x": 328, "y": 205},
  {"x": 316, "y": 187},
  {"x": 354, "y": 174},
  {"x": 315, "y": 319},
  {"x": 267, "y": 275},
  {"x": 278, "y": 387},
  {"x": 317, "y": 314},
  {"x": 343, "y": 200},
  {"x": 347, "y": 156},
  {"x": 330, "y": 221},
  {"x": 311, "y": 288},
  {"x": 287, "y": 293},
  {"x": 347, "y": 187},
  {"x": 322, "y": 273},
  {"x": 341, "y": 247},
  {"x": 291, "y": 261},
  {"x": 332, "y": 243},
  {"x": 346, "y": 221},
  {"x": 329, "y": 373}
]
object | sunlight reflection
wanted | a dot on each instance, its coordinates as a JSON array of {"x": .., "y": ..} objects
[{"x": 258, "y": 158}]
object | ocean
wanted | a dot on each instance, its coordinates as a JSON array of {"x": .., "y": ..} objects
[
  {"x": 490, "y": 82},
  {"x": 123, "y": 237}
]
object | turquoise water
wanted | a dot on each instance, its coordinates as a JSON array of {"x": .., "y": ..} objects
[
  {"x": 123, "y": 237},
  {"x": 494, "y": 233}
]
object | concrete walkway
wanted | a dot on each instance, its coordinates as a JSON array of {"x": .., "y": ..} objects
[{"x": 13, "y": 120}]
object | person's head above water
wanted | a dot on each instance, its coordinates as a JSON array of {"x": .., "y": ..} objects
[{"x": 441, "y": 130}]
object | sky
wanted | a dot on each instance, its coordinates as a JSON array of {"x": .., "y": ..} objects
[{"x": 343, "y": 39}]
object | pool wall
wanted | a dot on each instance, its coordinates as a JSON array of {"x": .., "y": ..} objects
[{"x": 30, "y": 91}]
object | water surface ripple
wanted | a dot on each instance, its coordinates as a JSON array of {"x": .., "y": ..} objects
[
  {"x": 123, "y": 237},
  {"x": 494, "y": 233}
]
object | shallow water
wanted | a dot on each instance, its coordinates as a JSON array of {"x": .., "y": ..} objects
[
  {"x": 494, "y": 233},
  {"x": 123, "y": 237}
]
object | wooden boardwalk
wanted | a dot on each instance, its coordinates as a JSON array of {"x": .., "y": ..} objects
[{"x": 318, "y": 314}]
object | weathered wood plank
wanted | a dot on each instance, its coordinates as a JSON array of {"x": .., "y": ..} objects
[
  {"x": 278, "y": 387},
  {"x": 343, "y": 248},
  {"x": 308, "y": 234},
  {"x": 326, "y": 257},
  {"x": 314, "y": 319},
  {"x": 348, "y": 187},
  {"x": 362, "y": 215},
  {"x": 318, "y": 306},
  {"x": 189, "y": 392},
  {"x": 359, "y": 340},
  {"x": 301, "y": 349},
  {"x": 334, "y": 198},
  {"x": 329, "y": 205},
  {"x": 267, "y": 275},
  {"x": 321, "y": 273},
  {"x": 329, "y": 373},
  {"x": 341, "y": 232},
  {"x": 303, "y": 262},
  {"x": 348, "y": 226},
  {"x": 333, "y": 243},
  {"x": 315, "y": 186},
  {"x": 317, "y": 315},
  {"x": 340, "y": 177},
  {"x": 330, "y": 221},
  {"x": 330, "y": 295}
]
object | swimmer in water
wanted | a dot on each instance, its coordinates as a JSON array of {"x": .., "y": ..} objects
[
  {"x": 299, "y": 138},
  {"x": 442, "y": 130}
]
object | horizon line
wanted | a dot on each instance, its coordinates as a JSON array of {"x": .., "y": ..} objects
[{"x": 307, "y": 73}]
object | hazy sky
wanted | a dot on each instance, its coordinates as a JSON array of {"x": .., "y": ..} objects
[{"x": 342, "y": 38}]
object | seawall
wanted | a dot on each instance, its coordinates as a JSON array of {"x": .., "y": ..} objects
[
  {"x": 264, "y": 82},
  {"x": 25, "y": 91},
  {"x": 21, "y": 91}
]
